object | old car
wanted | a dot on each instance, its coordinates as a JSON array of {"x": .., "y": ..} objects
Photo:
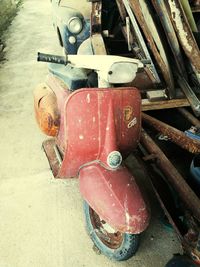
[{"x": 71, "y": 22}]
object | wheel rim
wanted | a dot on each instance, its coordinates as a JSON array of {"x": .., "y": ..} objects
[{"x": 108, "y": 236}]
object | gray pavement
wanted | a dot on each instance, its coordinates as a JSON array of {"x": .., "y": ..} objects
[{"x": 41, "y": 219}]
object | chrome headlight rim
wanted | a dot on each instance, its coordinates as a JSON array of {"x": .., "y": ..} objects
[
  {"x": 114, "y": 159},
  {"x": 75, "y": 29}
]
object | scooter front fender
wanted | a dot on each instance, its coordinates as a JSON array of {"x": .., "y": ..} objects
[{"x": 115, "y": 197}]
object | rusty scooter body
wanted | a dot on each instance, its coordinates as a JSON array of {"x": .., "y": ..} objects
[{"x": 93, "y": 130}]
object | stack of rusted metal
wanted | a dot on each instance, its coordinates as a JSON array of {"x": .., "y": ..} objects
[{"x": 167, "y": 34}]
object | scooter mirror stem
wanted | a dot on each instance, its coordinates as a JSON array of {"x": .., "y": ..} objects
[{"x": 102, "y": 83}]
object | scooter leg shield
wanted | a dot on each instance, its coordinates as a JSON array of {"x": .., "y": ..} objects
[{"x": 115, "y": 197}]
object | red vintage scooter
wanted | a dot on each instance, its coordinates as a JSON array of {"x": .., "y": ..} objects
[{"x": 93, "y": 129}]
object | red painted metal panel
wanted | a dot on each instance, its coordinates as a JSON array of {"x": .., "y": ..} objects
[
  {"x": 97, "y": 122},
  {"x": 115, "y": 196}
]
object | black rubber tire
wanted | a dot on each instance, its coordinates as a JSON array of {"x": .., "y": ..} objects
[{"x": 127, "y": 248}]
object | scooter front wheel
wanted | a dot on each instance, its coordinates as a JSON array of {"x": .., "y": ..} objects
[{"x": 113, "y": 244}]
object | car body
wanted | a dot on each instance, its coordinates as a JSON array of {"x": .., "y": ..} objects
[{"x": 72, "y": 23}]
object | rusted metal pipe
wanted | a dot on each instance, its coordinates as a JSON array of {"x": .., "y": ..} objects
[
  {"x": 192, "y": 119},
  {"x": 175, "y": 135},
  {"x": 174, "y": 177},
  {"x": 96, "y": 17},
  {"x": 142, "y": 13},
  {"x": 184, "y": 32}
]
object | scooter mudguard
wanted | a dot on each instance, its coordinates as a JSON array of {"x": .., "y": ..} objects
[{"x": 115, "y": 197}]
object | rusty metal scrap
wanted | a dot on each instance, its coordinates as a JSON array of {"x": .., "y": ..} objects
[
  {"x": 175, "y": 135},
  {"x": 184, "y": 32},
  {"x": 49, "y": 150},
  {"x": 161, "y": 9},
  {"x": 195, "y": 2},
  {"x": 161, "y": 190},
  {"x": 135, "y": 5},
  {"x": 192, "y": 119},
  {"x": 96, "y": 17},
  {"x": 122, "y": 9},
  {"x": 140, "y": 47},
  {"x": 189, "y": 93},
  {"x": 174, "y": 177}
]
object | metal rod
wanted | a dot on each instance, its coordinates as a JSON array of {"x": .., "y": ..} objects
[
  {"x": 174, "y": 177},
  {"x": 192, "y": 119},
  {"x": 141, "y": 40},
  {"x": 175, "y": 135},
  {"x": 189, "y": 93}
]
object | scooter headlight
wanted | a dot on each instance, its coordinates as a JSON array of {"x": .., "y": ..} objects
[
  {"x": 114, "y": 159},
  {"x": 75, "y": 25}
]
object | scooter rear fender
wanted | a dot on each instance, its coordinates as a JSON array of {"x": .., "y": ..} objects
[{"x": 115, "y": 197}]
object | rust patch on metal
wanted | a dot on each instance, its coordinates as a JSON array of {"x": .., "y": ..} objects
[
  {"x": 122, "y": 9},
  {"x": 175, "y": 135},
  {"x": 161, "y": 9},
  {"x": 111, "y": 239},
  {"x": 159, "y": 188},
  {"x": 188, "y": 116},
  {"x": 174, "y": 177},
  {"x": 135, "y": 4},
  {"x": 96, "y": 17},
  {"x": 184, "y": 32},
  {"x": 49, "y": 150}
]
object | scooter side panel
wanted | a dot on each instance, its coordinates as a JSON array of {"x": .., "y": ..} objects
[
  {"x": 97, "y": 122},
  {"x": 115, "y": 197}
]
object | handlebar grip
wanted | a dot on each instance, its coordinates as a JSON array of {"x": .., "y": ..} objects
[{"x": 52, "y": 58}]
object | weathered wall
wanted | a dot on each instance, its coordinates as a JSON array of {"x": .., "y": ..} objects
[{"x": 8, "y": 9}]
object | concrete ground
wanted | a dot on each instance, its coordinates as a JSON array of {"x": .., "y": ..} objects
[{"x": 41, "y": 219}]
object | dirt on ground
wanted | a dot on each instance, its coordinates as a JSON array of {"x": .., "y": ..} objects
[{"x": 42, "y": 222}]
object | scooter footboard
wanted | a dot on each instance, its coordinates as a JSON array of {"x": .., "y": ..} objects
[{"x": 115, "y": 196}]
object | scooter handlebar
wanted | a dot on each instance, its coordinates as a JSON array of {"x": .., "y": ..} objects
[{"x": 52, "y": 58}]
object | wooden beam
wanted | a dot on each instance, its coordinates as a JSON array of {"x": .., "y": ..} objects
[{"x": 164, "y": 104}]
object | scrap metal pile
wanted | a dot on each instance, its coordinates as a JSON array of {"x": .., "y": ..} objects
[{"x": 167, "y": 34}]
